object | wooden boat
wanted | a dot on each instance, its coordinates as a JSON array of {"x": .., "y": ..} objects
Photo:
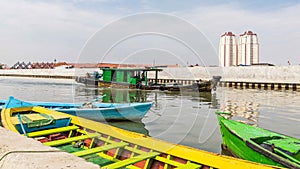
[
  {"x": 108, "y": 146},
  {"x": 99, "y": 111},
  {"x": 137, "y": 78},
  {"x": 200, "y": 86},
  {"x": 259, "y": 145}
]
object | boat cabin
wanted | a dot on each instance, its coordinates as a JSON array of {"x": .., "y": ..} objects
[{"x": 131, "y": 76}]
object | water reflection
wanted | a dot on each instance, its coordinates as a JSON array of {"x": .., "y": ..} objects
[
  {"x": 214, "y": 101},
  {"x": 124, "y": 95},
  {"x": 112, "y": 95},
  {"x": 242, "y": 106}
]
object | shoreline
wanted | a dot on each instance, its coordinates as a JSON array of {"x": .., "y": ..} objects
[
  {"x": 246, "y": 74},
  {"x": 31, "y": 154}
]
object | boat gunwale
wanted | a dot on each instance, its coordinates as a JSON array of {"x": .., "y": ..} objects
[
  {"x": 254, "y": 146},
  {"x": 104, "y": 111},
  {"x": 277, "y": 158}
]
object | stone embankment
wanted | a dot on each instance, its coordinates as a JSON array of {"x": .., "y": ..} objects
[
  {"x": 19, "y": 152},
  {"x": 270, "y": 74},
  {"x": 289, "y": 75},
  {"x": 272, "y": 77},
  {"x": 47, "y": 73}
]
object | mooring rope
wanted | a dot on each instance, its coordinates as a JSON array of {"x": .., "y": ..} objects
[{"x": 28, "y": 151}]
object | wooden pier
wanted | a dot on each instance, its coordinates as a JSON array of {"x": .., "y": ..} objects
[
  {"x": 179, "y": 81},
  {"x": 260, "y": 85},
  {"x": 247, "y": 85}
]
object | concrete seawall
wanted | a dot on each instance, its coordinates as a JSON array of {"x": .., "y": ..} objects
[
  {"x": 268, "y": 74},
  {"x": 47, "y": 73},
  {"x": 263, "y": 74},
  {"x": 266, "y": 77},
  {"x": 249, "y": 74}
]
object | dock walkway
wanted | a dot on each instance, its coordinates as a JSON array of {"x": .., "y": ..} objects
[{"x": 19, "y": 152}]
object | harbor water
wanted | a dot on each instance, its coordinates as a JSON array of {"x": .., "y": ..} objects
[{"x": 177, "y": 117}]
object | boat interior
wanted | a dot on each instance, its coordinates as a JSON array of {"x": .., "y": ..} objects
[{"x": 284, "y": 147}]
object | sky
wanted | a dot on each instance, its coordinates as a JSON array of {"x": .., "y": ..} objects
[{"x": 139, "y": 31}]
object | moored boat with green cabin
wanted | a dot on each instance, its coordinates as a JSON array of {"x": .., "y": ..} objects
[
  {"x": 137, "y": 78},
  {"x": 127, "y": 77}
]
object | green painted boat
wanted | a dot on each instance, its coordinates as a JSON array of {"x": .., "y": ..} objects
[
  {"x": 137, "y": 78},
  {"x": 259, "y": 145}
]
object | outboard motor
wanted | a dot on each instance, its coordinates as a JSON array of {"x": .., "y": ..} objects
[{"x": 215, "y": 81}]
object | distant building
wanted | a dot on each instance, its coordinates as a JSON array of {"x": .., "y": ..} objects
[
  {"x": 248, "y": 49},
  {"x": 29, "y": 65},
  {"x": 245, "y": 52},
  {"x": 3, "y": 66},
  {"x": 20, "y": 65},
  {"x": 63, "y": 65},
  {"x": 228, "y": 50}
]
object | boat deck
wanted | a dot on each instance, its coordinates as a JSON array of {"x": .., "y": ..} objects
[{"x": 35, "y": 117}]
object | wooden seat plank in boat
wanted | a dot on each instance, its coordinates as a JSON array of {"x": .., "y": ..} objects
[
  {"x": 52, "y": 131},
  {"x": 132, "y": 160},
  {"x": 100, "y": 149},
  {"x": 177, "y": 164},
  {"x": 189, "y": 166},
  {"x": 70, "y": 140},
  {"x": 34, "y": 117}
]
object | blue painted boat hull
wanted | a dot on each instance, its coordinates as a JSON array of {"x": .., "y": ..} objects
[
  {"x": 103, "y": 111},
  {"x": 132, "y": 112}
]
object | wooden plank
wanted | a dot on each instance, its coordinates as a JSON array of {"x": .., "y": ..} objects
[
  {"x": 135, "y": 151},
  {"x": 34, "y": 117},
  {"x": 51, "y": 131},
  {"x": 132, "y": 167},
  {"x": 189, "y": 166},
  {"x": 178, "y": 165},
  {"x": 175, "y": 163},
  {"x": 70, "y": 140},
  {"x": 99, "y": 149},
  {"x": 166, "y": 165},
  {"x": 132, "y": 160}
]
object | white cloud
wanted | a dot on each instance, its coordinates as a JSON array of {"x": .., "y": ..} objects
[{"x": 44, "y": 31}]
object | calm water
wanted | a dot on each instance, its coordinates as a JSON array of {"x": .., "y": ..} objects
[{"x": 185, "y": 118}]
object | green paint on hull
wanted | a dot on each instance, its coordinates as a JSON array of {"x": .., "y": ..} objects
[
  {"x": 90, "y": 158},
  {"x": 245, "y": 142},
  {"x": 97, "y": 160},
  {"x": 69, "y": 148},
  {"x": 241, "y": 150}
]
